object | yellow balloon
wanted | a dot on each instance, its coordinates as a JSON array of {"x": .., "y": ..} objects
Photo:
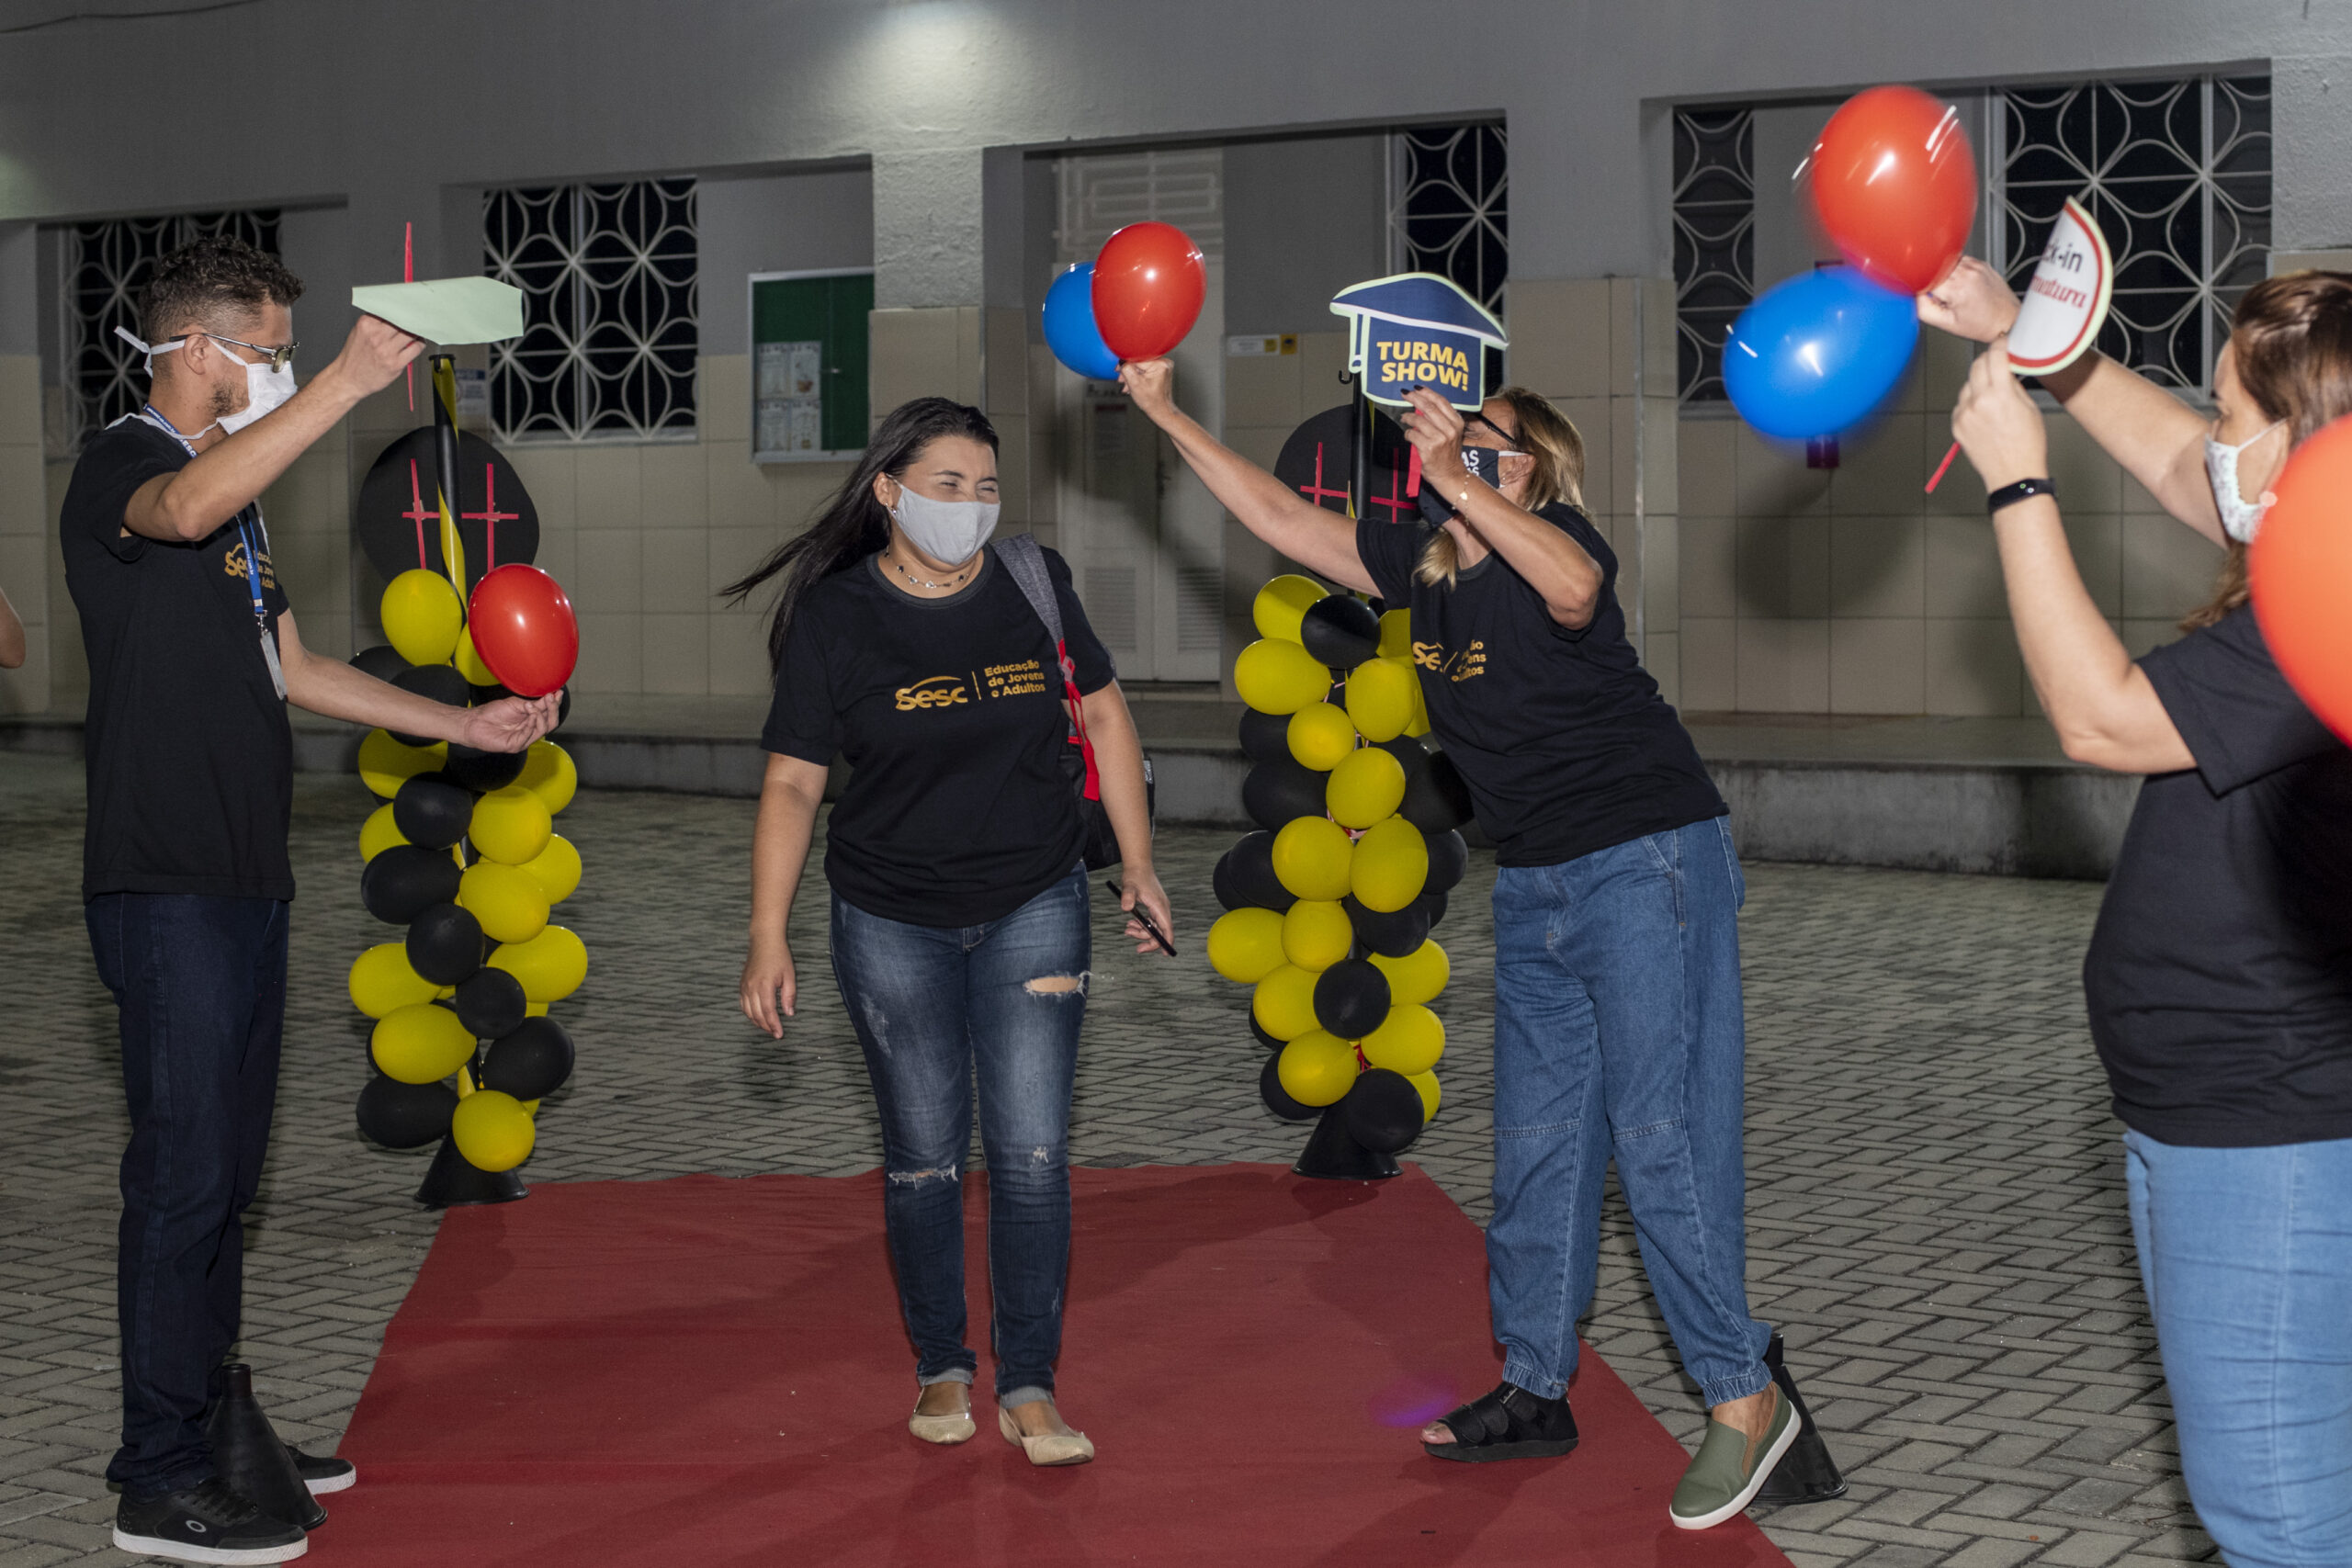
[
  {"x": 1275, "y": 676},
  {"x": 385, "y": 764},
  {"x": 510, "y": 825},
  {"x": 492, "y": 1130},
  {"x": 420, "y": 616},
  {"x": 383, "y": 981},
  {"x": 1389, "y": 867},
  {"x": 1430, "y": 1096},
  {"x": 1397, "y": 635},
  {"x": 1368, "y": 785},
  {"x": 1419, "y": 723},
  {"x": 551, "y": 964},
  {"x": 1418, "y": 976},
  {"x": 1311, "y": 858},
  {"x": 1282, "y": 604},
  {"x": 1246, "y": 944},
  {"x": 1283, "y": 1003},
  {"x": 470, "y": 663},
  {"x": 1321, "y": 736},
  {"x": 380, "y": 832},
  {"x": 1380, "y": 698},
  {"x": 555, "y": 868},
  {"x": 535, "y": 1009},
  {"x": 421, "y": 1043},
  {"x": 1317, "y": 933},
  {"x": 1316, "y": 1069},
  {"x": 548, "y": 773},
  {"x": 506, "y": 900},
  {"x": 1408, "y": 1041}
]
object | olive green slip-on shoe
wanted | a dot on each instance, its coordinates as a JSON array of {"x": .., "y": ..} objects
[{"x": 1725, "y": 1477}]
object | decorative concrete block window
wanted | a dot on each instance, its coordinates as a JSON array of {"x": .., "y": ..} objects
[
  {"x": 1449, "y": 211},
  {"x": 608, "y": 275},
  {"x": 104, "y": 266},
  {"x": 1715, "y": 239}
]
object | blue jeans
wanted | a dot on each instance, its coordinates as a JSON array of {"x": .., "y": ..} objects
[
  {"x": 1618, "y": 1030},
  {"x": 199, "y": 986},
  {"x": 2246, "y": 1254},
  {"x": 930, "y": 1003}
]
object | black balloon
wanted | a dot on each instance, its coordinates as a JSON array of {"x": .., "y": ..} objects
[
  {"x": 1341, "y": 630},
  {"x": 445, "y": 945},
  {"x": 433, "y": 811},
  {"x": 562, "y": 709},
  {"x": 491, "y": 1003},
  {"x": 1251, "y": 864},
  {"x": 1435, "y": 796},
  {"x": 437, "y": 682},
  {"x": 482, "y": 772},
  {"x": 1283, "y": 791},
  {"x": 1448, "y": 858},
  {"x": 481, "y": 694},
  {"x": 405, "y": 1115},
  {"x": 1382, "y": 1111},
  {"x": 1265, "y": 737},
  {"x": 405, "y": 880},
  {"x": 1394, "y": 935},
  {"x": 531, "y": 1060},
  {"x": 383, "y": 662},
  {"x": 1431, "y": 904},
  {"x": 1221, "y": 882},
  {"x": 1258, "y": 1033},
  {"x": 1410, "y": 754},
  {"x": 1277, "y": 1099},
  {"x": 1351, "y": 997}
]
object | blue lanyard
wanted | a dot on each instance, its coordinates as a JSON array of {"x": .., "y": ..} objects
[{"x": 244, "y": 534}]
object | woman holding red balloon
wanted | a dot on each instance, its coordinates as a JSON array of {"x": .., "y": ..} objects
[{"x": 2219, "y": 977}]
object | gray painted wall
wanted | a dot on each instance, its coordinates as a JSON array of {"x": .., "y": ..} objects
[
  {"x": 1304, "y": 218},
  {"x": 792, "y": 222}
]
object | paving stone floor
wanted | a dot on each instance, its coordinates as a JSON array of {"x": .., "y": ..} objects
[{"x": 1936, "y": 1208}]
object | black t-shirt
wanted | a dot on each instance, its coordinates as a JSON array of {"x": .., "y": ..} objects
[
  {"x": 190, "y": 761},
  {"x": 1561, "y": 735},
  {"x": 950, "y": 713},
  {"x": 2220, "y": 975}
]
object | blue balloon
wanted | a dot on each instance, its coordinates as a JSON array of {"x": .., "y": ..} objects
[
  {"x": 1070, "y": 331},
  {"x": 1815, "y": 354}
]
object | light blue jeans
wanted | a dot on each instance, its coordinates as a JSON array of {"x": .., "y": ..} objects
[
  {"x": 2246, "y": 1254},
  {"x": 1618, "y": 1030}
]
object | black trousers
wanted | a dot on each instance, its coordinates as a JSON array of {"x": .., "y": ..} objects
[{"x": 199, "y": 983}]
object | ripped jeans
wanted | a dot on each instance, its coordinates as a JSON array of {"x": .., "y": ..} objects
[{"x": 929, "y": 1003}]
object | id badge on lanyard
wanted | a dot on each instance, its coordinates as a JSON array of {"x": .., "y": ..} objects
[{"x": 253, "y": 565}]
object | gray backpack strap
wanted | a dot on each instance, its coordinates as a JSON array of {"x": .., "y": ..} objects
[{"x": 1025, "y": 558}]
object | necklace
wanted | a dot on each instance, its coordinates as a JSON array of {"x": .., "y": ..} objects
[{"x": 954, "y": 582}]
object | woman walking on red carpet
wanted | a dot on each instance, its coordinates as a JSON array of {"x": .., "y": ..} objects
[
  {"x": 1617, "y": 1007},
  {"x": 903, "y": 642}
]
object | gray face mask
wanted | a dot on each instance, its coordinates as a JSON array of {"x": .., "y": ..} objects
[
  {"x": 2240, "y": 518},
  {"x": 949, "y": 532}
]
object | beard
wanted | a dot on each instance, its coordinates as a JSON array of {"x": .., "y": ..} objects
[{"x": 229, "y": 400}]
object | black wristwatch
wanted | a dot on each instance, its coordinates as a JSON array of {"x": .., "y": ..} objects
[{"x": 2009, "y": 495}]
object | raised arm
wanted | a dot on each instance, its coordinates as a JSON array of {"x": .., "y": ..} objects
[
  {"x": 2159, "y": 439},
  {"x": 331, "y": 687},
  {"x": 1323, "y": 542}
]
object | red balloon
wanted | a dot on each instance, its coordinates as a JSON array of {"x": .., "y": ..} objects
[
  {"x": 1894, "y": 182},
  {"x": 2301, "y": 569},
  {"x": 524, "y": 628},
  {"x": 1149, "y": 283}
]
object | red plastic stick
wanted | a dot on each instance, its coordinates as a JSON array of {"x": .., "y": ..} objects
[
  {"x": 408, "y": 275},
  {"x": 1938, "y": 477}
]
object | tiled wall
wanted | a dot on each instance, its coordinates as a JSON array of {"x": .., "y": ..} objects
[
  {"x": 25, "y": 565},
  {"x": 1850, "y": 591}
]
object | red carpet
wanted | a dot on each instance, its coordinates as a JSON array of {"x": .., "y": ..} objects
[{"x": 711, "y": 1373}]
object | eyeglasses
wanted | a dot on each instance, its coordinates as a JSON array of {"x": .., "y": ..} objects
[{"x": 276, "y": 358}]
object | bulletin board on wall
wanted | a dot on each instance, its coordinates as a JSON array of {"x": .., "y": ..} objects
[{"x": 808, "y": 365}]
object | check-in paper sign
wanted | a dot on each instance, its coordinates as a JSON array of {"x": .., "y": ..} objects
[{"x": 2066, "y": 302}]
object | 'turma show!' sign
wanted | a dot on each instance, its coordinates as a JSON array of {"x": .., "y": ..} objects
[{"x": 1418, "y": 330}]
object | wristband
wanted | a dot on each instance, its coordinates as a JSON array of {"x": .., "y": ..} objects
[{"x": 2009, "y": 495}]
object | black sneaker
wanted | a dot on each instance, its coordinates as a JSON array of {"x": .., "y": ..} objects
[
  {"x": 322, "y": 1473},
  {"x": 205, "y": 1523}
]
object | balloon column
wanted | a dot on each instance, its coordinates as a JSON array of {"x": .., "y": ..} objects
[
  {"x": 1893, "y": 183},
  {"x": 1331, "y": 902},
  {"x": 463, "y": 854},
  {"x": 1136, "y": 300}
]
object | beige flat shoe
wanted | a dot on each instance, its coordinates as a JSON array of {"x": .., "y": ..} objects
[
  {"x": 1053, "y": 1447},
  {"x": 946, "y": 1430}
]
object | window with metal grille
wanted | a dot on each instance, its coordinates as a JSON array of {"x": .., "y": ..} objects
[
  {"x": 106, "y": 266},
  {"x": 608, "y": 275},
  {"x": 1715, "y": 239},
  {"x": 1449, "y": 212}
]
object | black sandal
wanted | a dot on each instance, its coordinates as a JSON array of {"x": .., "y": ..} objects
[{"x": 1509, "y": 1422}]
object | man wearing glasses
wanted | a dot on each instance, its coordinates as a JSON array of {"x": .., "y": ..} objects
[{"x": 193, "y": 656}]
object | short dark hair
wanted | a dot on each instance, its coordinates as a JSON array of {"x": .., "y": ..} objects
[{"x": 205, "y": 279}]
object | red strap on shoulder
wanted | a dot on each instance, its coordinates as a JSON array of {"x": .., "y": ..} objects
[{"x": 1077, "y": 719}]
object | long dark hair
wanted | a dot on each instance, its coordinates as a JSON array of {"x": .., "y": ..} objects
[{"x": 853, "y": 525}]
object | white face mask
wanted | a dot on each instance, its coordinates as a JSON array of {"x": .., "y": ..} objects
[
  {"x": 949, "y": 532},
  {"x": 2240, "y": 518},
  {"x": 266, "y": 388}
]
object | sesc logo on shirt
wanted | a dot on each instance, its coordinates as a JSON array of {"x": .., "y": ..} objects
[
  {"x": 1467, "y": 665},
  {"x": 933, "y": 691},
  {"x": 234, "y": 565}
]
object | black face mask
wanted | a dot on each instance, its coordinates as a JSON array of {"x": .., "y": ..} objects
[{"x": 1484, "y": 462}]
